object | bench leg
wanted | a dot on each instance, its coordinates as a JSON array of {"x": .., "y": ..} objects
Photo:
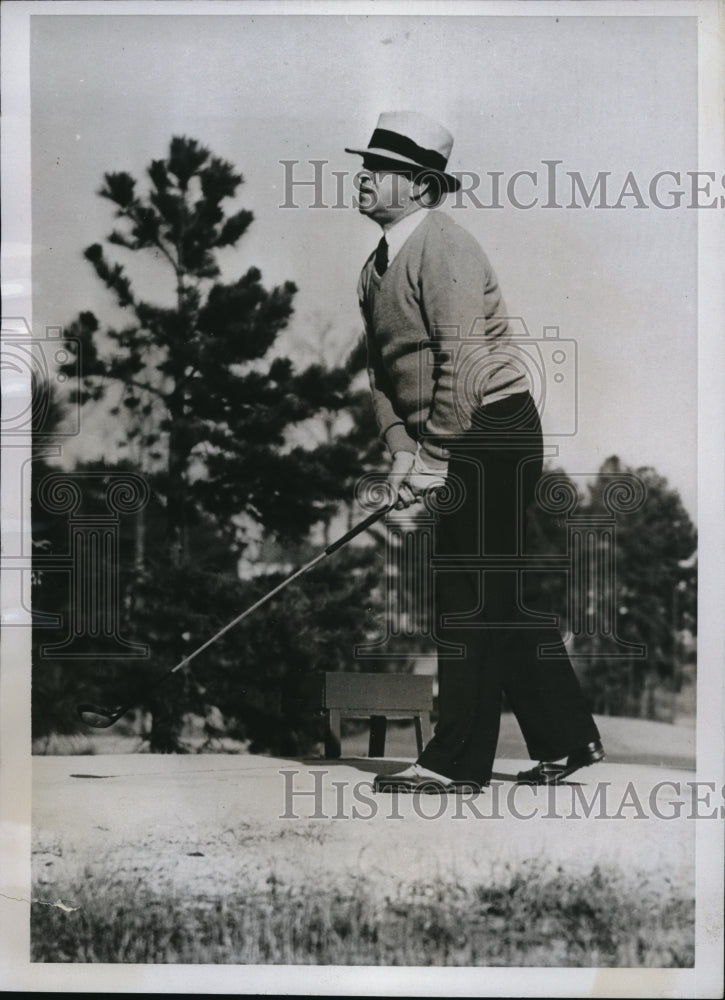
[
  {"x": 378, "y": 724},
  {"x": 333, "y": 736},
  {"x": 423, "y": 732}
]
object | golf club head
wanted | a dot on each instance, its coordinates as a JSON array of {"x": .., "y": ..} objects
[{"x": 98, "y": 717}]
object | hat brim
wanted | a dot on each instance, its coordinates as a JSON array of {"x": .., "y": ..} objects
[{"x": 450, "y": 182}]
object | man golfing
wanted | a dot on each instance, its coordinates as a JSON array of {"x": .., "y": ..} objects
[{"x": 452, "y": 400}]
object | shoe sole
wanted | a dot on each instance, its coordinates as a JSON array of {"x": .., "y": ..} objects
[
  {"x": 427, "y": 788},
  {"x": 597, "y": 758}
]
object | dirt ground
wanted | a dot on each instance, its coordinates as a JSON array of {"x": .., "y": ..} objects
[
  {"x": 204, "y": 830},
  {"x": 204, "y": 823}
]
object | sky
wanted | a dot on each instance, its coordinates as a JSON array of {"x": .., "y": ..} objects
[{"x": 615, "y": 94}]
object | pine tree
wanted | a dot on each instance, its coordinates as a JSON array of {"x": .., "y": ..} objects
[
  {"x": 210, "y": 408},
  {"x": 204, "y": 409}
]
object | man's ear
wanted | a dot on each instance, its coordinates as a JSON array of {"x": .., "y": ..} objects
[{"x": 428, "y": 190}]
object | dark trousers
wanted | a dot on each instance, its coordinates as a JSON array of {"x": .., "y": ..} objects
[{"x": 498, "y": 464}]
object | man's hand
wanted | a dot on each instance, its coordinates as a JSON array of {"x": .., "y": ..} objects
[
  {"x": 411, "y": 476},
  {"x": 424, "y": 476},
  {"x": 397, "y": 477}
]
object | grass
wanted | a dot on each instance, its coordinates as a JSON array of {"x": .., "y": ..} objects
[{"x": 531, "y": 917}]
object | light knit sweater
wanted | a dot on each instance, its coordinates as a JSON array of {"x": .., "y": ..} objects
[{"x": 439, "y": 343}]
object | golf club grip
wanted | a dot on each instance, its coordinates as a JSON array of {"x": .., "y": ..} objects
[{"x": 370, "y": 519}]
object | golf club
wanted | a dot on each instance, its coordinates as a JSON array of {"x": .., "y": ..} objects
[{"x": 101, "y": 718}]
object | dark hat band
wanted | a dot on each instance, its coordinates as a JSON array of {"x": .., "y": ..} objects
[{"x": 382, "y": 138}]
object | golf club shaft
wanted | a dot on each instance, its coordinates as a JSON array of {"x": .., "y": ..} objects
[
  {"x": 343, "y": 540},
  {"x": 249, "y": 611}
]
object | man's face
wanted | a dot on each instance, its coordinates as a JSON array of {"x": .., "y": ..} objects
[{"x": 384, "y": 195}]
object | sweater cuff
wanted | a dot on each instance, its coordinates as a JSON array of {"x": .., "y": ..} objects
[
  {"x": 426, "y": 468},
  {"x": 435, "y": 456},
  {"x": 397, "y": 439}
]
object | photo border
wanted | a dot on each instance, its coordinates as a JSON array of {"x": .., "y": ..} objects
[{"x": 15, "y": 758}]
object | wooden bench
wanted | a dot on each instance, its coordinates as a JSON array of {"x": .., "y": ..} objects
[{"x": 378, "y": 697}]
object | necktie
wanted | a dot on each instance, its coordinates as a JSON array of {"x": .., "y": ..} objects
[{"x": 381, "y": 257}]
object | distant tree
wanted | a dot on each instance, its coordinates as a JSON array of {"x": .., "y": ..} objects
[
  {"x": 655, "y": 595},
  {"x": 53, "y": 699}
]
